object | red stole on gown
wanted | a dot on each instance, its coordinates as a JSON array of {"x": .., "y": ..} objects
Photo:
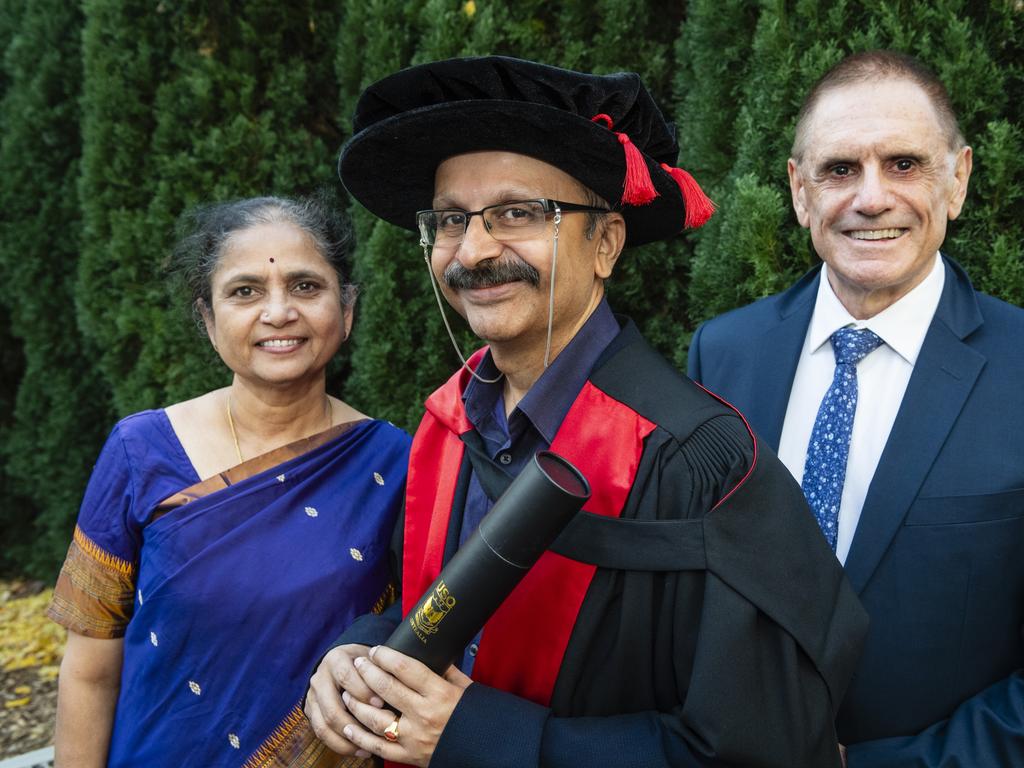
[{"x": 523, "y": 643}]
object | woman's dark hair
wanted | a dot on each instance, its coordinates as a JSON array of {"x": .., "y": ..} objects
[{"x": 204, "y": 231}]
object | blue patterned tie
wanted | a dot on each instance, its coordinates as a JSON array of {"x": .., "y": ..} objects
[{"x": 825, "y": 469}]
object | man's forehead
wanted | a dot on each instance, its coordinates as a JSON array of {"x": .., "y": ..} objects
[
  {"x": 497, "y": 176},
  {"x": 456, "y": 198},
  {"x": 890, "y": 117},
  {"x": 886, "y": 145},
  {"x": 892, "y": 98}
]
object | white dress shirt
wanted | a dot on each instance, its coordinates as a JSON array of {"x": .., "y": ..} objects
[{"x": 882, "y": 378}]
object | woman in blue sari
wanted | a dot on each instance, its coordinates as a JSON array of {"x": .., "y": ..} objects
[{"x": 224, "y": 541}]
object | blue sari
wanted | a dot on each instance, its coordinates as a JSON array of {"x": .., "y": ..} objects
[{"x": 239, "y": 584}]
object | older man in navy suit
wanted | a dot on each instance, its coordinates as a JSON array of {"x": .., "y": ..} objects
[{"x": 894, "y": 393}]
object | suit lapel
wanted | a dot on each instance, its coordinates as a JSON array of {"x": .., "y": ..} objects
[
  {"x": 775, "y": 355},
  {"x": 943, "y": 377}
]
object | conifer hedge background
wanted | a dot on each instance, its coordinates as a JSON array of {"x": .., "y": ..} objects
[{"x": 115, "y": 115}]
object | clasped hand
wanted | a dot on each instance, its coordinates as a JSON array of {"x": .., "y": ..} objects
[{"x": 357, "y": 692}]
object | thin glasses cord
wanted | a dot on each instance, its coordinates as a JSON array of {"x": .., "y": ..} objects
[
  {"x": 551, "y": 289},
  {"x": 448, "y": 327}
]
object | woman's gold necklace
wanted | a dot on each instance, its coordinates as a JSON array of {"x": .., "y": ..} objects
[
  {"x": 328, "y": 412},
  {"x": 234, "y": 435}
]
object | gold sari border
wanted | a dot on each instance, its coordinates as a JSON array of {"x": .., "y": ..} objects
[
  {"x": 95, "y": 591},
  {"x": 91, "y": 548},
  {"x": 251, "y": 468},
  {"x": 265, "y": 756},
  {"x": 294, "y": 745},
  {"x": 387, "y": 598}
]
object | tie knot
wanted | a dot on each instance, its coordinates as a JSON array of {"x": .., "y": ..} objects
[{"x": 850, "y": 345}]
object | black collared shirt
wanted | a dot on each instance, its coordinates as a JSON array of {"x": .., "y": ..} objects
[{"x": 531, "y": 427}]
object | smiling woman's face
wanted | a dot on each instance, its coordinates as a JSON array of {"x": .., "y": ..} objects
[{"x": 277, "y": 317}]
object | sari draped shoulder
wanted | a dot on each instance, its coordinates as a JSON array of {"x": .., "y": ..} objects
[
  {"x": 239, "y": 582},
  {"x": 250, "y": 468},
  {"x": 141, "y": 462}
]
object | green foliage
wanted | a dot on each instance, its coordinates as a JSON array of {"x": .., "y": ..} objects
[
  {"x": 400, "y": 349},
  {"x": 724, "y": 279},
  {"x": 59, "y": 411},
  {"x": 16, "y": 514},
  {"x": 11, "y": 15},
  {"x": 710, "y": 52},
  {"x": 755, "y": 246},
  {"x": 185, "y": 104},
  {"x": 115, "y": 115},
  {"x": 988, "y": 240},
  {"x": 16, "y": 511}
]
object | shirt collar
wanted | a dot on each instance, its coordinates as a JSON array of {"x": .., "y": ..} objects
[
  {"x": 551, "y": 396},
  {"x": 902, "y": 326},
  {"x": 480, "y": 397}
]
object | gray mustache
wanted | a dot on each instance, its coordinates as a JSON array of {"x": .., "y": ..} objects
[{"x": 490, "y": 274}]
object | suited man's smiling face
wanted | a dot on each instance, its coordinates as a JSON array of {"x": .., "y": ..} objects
[{"x": 876, "y": 184}]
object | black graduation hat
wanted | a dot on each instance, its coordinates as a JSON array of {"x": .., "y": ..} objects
[{"x": 603, "y": 130}]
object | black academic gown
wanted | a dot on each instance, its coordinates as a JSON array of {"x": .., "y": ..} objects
[{"x": 718, "y": 629}]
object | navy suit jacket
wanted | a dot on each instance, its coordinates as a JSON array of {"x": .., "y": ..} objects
[{"x": 938, "y": 555}]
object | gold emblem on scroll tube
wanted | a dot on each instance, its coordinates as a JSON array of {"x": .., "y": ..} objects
[{"x": 429, "y": 615}]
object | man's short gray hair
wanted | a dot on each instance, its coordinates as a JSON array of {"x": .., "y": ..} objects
[{"x": 871, "y": 67}]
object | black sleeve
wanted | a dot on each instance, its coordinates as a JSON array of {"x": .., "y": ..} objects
[
  {"x": 987, "y": 729},
  {"x": 693, "y": 355},
  {"x": 732, "y": 665},
  {"x": 371, "y": 629}
]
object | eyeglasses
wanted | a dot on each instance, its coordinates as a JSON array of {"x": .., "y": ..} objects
[{"x": 517, "y": 220}]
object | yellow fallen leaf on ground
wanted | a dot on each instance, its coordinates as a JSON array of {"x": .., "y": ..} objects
[
  {"x": 23, "y": 690},
  {"x": 15, "y": 703},
  {"x": 27, "y": 637},
  {"x": 49, "y": 672}
]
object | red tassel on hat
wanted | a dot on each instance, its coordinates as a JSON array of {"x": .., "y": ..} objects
[
  {"x": 637, "y": 187},
  {"x": 698, "y": 205}
]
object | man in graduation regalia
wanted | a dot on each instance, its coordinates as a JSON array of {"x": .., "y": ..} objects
[{"x": 692, "y": 615}]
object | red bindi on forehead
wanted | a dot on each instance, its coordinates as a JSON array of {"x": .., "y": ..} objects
[{"x": 271, "y": 259}]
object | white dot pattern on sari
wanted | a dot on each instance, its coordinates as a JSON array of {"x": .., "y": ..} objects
[
  {"x": 153, "y": 638},
  {"x": 356, "y": 554},
  {"x": 233, "y": 740},
  {"x": 194, "y": 687},
  {"x": 311, "y": 511},
  {"x": 378, "y": 478}
]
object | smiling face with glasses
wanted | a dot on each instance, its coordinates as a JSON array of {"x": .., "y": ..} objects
[{"x": 494, "y": 212}]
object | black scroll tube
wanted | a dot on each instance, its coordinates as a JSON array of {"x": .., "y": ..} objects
[{"x": 521, "y": 525}]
